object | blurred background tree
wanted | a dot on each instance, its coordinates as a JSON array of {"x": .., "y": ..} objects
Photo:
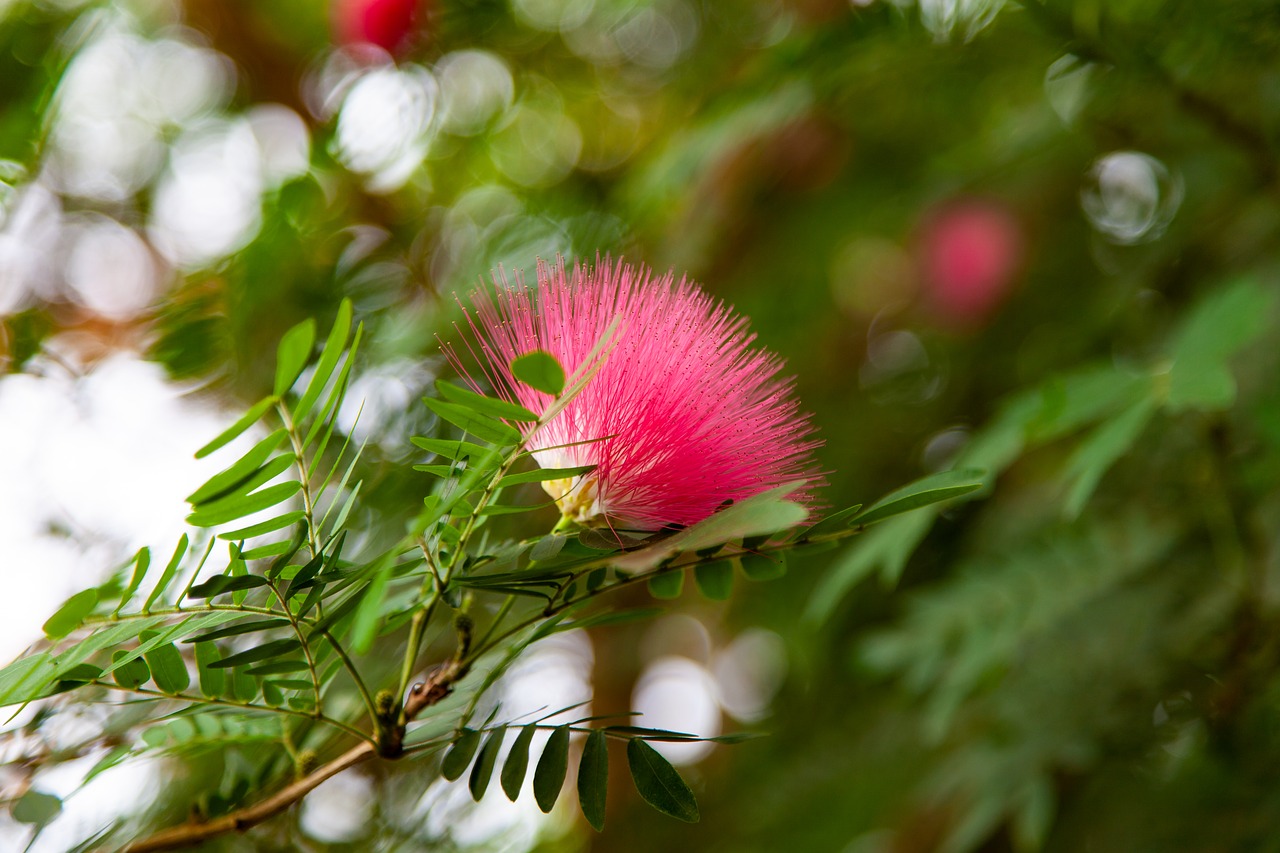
[{"x": 1036, "y": 237}]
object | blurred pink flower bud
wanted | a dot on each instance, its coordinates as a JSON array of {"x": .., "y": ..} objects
[
  {"x": 389, "y": 24},
  {"x": 970, "y": 253}
]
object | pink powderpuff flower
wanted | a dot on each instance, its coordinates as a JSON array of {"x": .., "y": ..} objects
[{"x": 683, "y": 414}]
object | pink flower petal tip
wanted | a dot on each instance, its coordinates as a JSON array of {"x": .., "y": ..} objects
[{"x": 682, "y": 415}]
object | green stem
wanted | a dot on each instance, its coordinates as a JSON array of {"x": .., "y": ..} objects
[
  {"x": 299, "y": 458},
  {"x": 350, "y": 666}
]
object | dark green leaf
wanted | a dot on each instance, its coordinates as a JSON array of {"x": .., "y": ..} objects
[
  {"x": 593, "y": 779},
  {"x": 482, "y": 771},
  {"x": 548, "y": 778},
  {"x": 71, "y": 614},
  {"x": 221, "y": 584},
  {"x": 541, "y": 475},
  {"x": 328, "y": 360},
  {"x": 131, "y": 674},
  {"x": 460, "y": 754},
  {"x": 292, "y": 354},
  {"x": 667, "y": 585},
  {"x": 763, "y": 567},
  {"x": 659, "y": 783},
  {"x": 714, "y": 580},
  {"x": 273, "y": 649},
  {"x": 491, "y": 406},
  {"x": 232, "y": 432},
  {"x": 835, "y": 521},
  {"x": 481, "y": 426},
  {"x": 539, "y": 370},
  {"x": 923, "y": 492},
  {"x": 517, "y": 763},
  {"x": 1098, "y": 452},
  {"x": 272, "y": 694},
  {"x": 36, "y": 807},
  {"x": 277, "y": 667}
]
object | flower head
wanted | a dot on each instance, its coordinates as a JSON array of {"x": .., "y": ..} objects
[{"x": 682, "y": 414}]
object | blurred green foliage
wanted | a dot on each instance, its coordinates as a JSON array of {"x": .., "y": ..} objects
[{"x": 1083, "y": 657}]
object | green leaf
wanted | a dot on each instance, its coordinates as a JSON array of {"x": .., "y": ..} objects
[
  {"x": 763, "y": 567},
  {"x": 270, "y": 525},
  {"x": 460, "y": 754},
  {"x": 166, "y": 577},
  {"x": 1220, "y": 326},
  {"x": 714, "y": 580},
  {"x": 482, "y": 771},
  {"x": 233, "y": 432},
  {"x": 593, "y": 779},
  {"x": 548, "y": 778},
  {"x": 71, "y": 614},
  {"x": 1100, "y": 450},
  {"x": 659, "y": 783},
  {"x": 835, "y": 521},
  {"x": 667, "y": 585},
  {"x": 453, "y": 449},
  {"x": 517, "y": 763},
  {"x": 369, "y": 613},
  {"x": 492, "y": 406},
  {"x": 277, "y": 667},
  {"x": 539, "y": 370},
  {"x": 141, "y": 563},
  {"x": 273, "y": 649},
  {"x": 886, "y": 547},
  {"x": 481, "y": 426},
  {"x": 168, "y": 670},
  {"x": 759, "y": 515},
  {"x": 548, "y": 547},
  {"x": 328, "y": 360},
  {"x": 129, "y": 673},
  {"x": 923, "y": 492},
  {"x": 540, "y": 475},
  {"x": 212, "y": 681},
  {"x": 238, "y": 506},
  {"x": 221, "y": 584},
  {"x": 244, "y": 468},
  {"x": 292, "y": 354},
  {"x": 36, "y": 807}
]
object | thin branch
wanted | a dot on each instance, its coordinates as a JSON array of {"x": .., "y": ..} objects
[
  {"x": 308, "y": 504},
  {"x": 188, "y": 834}
]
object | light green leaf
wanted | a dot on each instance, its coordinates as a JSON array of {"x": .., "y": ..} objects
[
  {"x": 540, "y": 475},
  {"x": 232, "y": 432},
  {"x": 928, "y": 490},
  {"x": 71, "y": 614},
  {"x": 548, "y": 547},
  {"x": 1099, "y": 451},
  {"x": 548, "y": 778},
  {"x": 471, "y": 423},
  {"x": 517, "y": 763},
  {"x": 270, "y": 525},
  {"x": 292, "y": 354},
  {"x": 659, "y": 783},
  {"x": 36, "y": 807},
  {"x": 593, "y": 779},
  {"x": 141, "y": 563},
  {"x": 886, "y": 547},
  {"x": 236, "y": 507},
  {"x": 369, "y": 613},
  {"x": 234, "y": 478},
  {"x": 328, "y": 360},
  {"x": 491, "y": 406},
  {"x": 212, "y": 681},
  {"x": 129, "y": 672},
  {"x": 166, "y": 577},
  {"x": 451, "y": 449},
  {"x": 763, "y": 567},
  {"x": 1219, "y": 327},
  {"x": 168, "y": 670},
  {"x": 759, "y": 515},
  {"x": 539, "y": 370}
]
